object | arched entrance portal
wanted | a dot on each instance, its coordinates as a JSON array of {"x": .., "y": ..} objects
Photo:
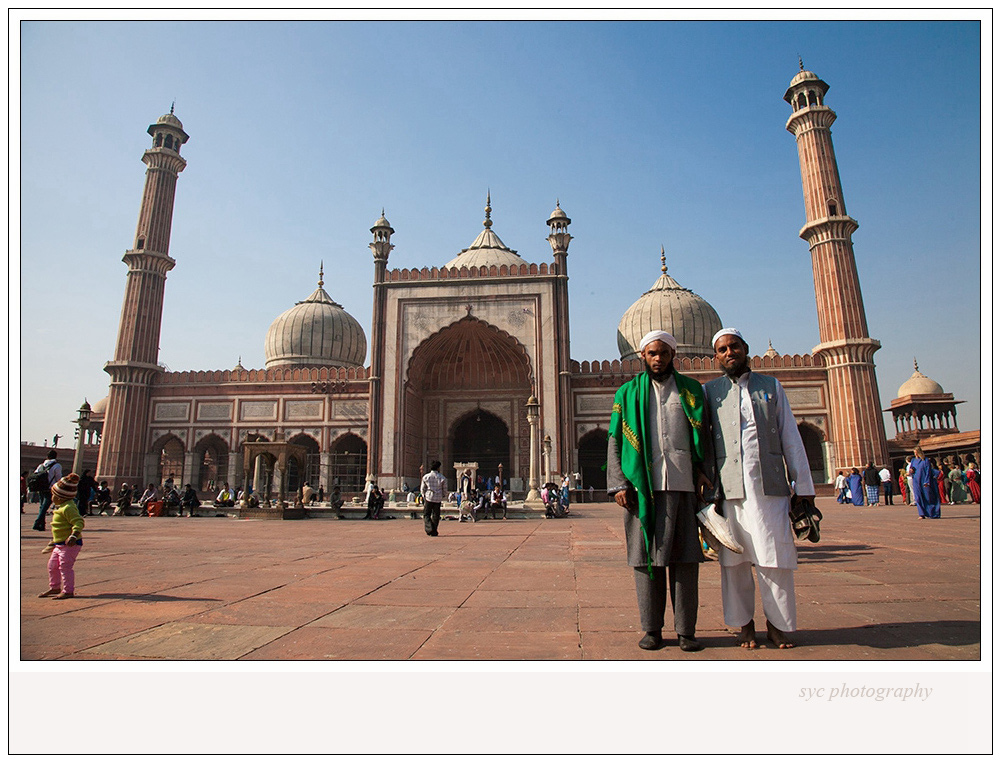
[
  {"x": 482, "y": 438},
  {"x": 466, "y": 370},
  {"x": 592, "y": 453},
  {"x": 814, "y": 445}
]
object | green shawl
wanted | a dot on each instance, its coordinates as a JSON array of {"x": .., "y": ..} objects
[{"x": 629, "y": 428}]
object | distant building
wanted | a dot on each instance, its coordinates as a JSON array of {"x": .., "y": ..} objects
[
  {"x": 925, "y": 415},
  {"x": 470, "y": 360}
]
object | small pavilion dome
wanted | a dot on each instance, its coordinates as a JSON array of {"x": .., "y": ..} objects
[
  {"x": 919, "y": 384},
  {"x": 487, "y": 249}
]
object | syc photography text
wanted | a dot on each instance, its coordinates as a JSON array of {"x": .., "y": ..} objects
[{"x": 877, "y": 693}]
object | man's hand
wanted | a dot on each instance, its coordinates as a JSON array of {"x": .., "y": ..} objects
[
  {"x": 626, "y": 498},
  {"x": 704, "y": 487}
]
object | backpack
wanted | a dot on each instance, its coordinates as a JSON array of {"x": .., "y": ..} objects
[{"x": 38, "y": 482}]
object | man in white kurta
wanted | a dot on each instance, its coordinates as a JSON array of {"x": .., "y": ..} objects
[{"x": 758, "y": 452}]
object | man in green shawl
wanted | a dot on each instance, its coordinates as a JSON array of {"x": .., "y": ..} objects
[{"x": 657, "y": 445}]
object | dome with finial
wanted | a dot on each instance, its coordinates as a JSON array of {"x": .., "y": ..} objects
[
  {"x": 919, "y": 384},
  {"x": 771, "y": 352},
  {"x": 316, "y": 332},
  {"x": 558, "y": 214},
  {"x": 487, "y": 249},
  {"x": 170, "y": 119},
  {"x": 670, "y": 307},
  {"x": 239, "y": 364}
]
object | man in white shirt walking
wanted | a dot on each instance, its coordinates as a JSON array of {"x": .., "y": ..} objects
[{"x": 433, "y": 490}]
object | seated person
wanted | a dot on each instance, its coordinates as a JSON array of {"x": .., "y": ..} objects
[
  {"x": 335, "y": 498},
  {"x": 103, "y": 498},
  {"x": 172, "y": 500},
  {"x": 374, "y": 502},
  {"x": 124, "y": 499},
  {"x": 147, "y": 497},
  {"x": 189, "y": 500},
  {"x": 467, "y": 511},
  {"x": 226, "y": 497},
  {"x": 307, "y": 494},
  {"x": 498, "y": 501}
]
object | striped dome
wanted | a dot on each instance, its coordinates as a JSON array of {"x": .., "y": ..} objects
[
  {"x": 316, "y": 332},
  {"x": 670, "y": 307}
]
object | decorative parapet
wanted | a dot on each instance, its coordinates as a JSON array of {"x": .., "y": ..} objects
[
  {"x": 484, "y": 271},
  {"x": 635, "y": 365},
  {"x": 280, "y": 374}
]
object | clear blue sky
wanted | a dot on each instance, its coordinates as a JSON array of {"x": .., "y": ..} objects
[{"x": 648, "y": 133}]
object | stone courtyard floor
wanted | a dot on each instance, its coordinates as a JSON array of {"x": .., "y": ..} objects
[{"x": 881, "y": 585}]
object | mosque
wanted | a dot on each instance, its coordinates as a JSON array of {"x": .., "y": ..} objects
[{"x": 469, "y": 360}]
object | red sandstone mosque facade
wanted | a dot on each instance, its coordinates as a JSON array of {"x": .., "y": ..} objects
[{"x": 470, "y": 361}]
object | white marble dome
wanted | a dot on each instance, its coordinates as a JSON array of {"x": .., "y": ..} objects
[
  {"x": 919, "y": 384},
  {"x": 316, "y": 332},
  {"x": 670, "y": 307},
  {"x": 487, "y": 249}
]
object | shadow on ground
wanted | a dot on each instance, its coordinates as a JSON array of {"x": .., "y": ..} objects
[{"x": 896, "y": 635}]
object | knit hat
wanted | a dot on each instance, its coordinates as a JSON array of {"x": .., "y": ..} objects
[{"x": 65, "y": 489}]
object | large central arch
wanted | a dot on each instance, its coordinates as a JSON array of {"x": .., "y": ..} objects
[{"x": 469, "y": 368}]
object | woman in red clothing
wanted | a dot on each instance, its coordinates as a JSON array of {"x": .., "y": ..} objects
[
  {"x": 973, "y": 481},
  {"x": 903, "y": 487},
  {"x": 940, "y": 478}
]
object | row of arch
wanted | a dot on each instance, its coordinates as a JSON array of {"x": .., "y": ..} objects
[
  {"x": 167, "y": 141},
  {"x": 809, "y": 98},
  {"x": 210, "y": 463}
]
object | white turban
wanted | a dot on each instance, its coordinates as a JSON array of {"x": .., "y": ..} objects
[
  {"x": 724, "y": 332},
  {"x": 663, "y": 336}
]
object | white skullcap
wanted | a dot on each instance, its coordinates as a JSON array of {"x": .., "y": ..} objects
[
  {"x": 724, "y": 332},
  {"x": 663, "y": 336}
]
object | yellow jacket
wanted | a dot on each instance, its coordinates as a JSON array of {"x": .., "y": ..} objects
[{"x": 66, "y": 520}]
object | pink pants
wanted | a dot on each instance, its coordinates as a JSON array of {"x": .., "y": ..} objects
[{"x": 61, "y": 567}]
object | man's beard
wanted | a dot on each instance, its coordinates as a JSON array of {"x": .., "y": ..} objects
[
  {"x": 663, "y": 374},
  {"x": 737, "y": 371}
]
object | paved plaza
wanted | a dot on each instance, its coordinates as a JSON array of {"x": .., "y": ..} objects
[{"x": 881, "y": 585}]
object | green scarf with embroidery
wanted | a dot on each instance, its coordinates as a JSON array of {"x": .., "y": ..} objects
[{"x": 629, "y": 428}]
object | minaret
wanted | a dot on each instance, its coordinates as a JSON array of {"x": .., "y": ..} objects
[
  {"x": 124, "y": 443},
  {"x": 382, "y": 232},
  {"x": 559, "y": 238},
  {"x": 857, "y": 431}
]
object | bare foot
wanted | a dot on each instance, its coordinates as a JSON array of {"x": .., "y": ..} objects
[
  {"x": 779, "y": 638},
  {"x": 746, "y": 637}
]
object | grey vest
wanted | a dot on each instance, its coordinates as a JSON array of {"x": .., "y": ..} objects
[{"x": 723, "y": 399}]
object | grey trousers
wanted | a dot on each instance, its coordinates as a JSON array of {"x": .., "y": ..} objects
[{"x": 651, "y": 595}]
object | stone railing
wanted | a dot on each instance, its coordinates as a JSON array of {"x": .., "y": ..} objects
[
  {"x": 484, "y": 271},
  {"x": 282, "y": 373}
]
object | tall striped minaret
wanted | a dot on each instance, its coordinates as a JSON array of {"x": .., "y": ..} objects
[
  {"x": 124, "y": 440},
  {"x": 857, "y": 432}
]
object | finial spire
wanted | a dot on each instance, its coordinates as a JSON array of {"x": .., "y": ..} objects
[
  {"x": 801, "y": 63},
  {"x": 915, "y": 364},
  {"x": 172, "y": 107},
  {"x": 487, "y": 222},
  {"x": 663, "y": 260},
  {"x": 321, "y": 274}
]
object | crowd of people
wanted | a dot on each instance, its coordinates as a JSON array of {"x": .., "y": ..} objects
[{"x": 923, "y": 481}]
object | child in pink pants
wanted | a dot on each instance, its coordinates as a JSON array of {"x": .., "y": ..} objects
[{"x": 67, "y": 529}]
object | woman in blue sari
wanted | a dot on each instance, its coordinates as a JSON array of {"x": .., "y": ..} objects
[
  {"x": 926, "y": 495},
  {"x": 854, "y": 481}
]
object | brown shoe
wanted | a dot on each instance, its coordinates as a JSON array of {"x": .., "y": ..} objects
[
  {"x": 64, "y": 595},
  {"x": 50, "y": 592}
]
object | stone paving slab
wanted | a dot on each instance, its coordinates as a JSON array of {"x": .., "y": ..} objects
[{"x": 881, "y": 585}]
